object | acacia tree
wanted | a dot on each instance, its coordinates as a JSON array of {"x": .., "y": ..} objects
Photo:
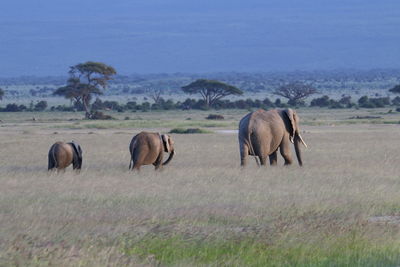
[
  {"x": 155, "y": 94},
  {"x": 396, "y": 89},
  {"x": 1, "y": 94},
  {"x": 211, "y": 90},
  {"x": 295, "y": 92},
  {"x": 86, "y": 79}
]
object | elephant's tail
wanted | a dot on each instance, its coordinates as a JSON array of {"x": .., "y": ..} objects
[
  {"x": 171, "y": 155},
  {"x": 52, "y": 158},
  {"x": 249, "y": 133},
  {"x": 130, "y": 164},
  {"x": 251, "y": 149},
  {"x": 131, "y": 151}
]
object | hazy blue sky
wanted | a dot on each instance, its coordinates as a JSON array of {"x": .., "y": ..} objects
[{"x": 45, "y": 37}]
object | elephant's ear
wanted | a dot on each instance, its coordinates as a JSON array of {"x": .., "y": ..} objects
[
  {"x": 77, "y": 159},
  {"x": 165, "y": 141},
  {"x": 290, "y": 114}
]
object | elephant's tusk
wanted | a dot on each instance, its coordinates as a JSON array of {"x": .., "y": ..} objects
[
  {"x": 301, "y": 139},
  {"x": 291, "y": 140}
]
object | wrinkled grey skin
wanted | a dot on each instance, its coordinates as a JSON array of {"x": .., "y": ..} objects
[
  {"x": 262, "y": 133},
  {"x": 61, "y": 155},
  {"x": 148, "y": 148}
]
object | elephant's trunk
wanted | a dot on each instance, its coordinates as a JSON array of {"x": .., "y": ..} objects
[
  {"x": 171, "y": 155},
  {"x": 297, "y": 141}
]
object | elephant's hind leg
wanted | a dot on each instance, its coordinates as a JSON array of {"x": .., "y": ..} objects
[
  {"x": 273, "y": 158},
  {"x": 137, "y": 159},
  {"x": 51, "y": 164},
  {"x": 263, "y": 160},
  {"x": 244, "y": 151},
  {"x": 158, "y": 163},
  {"x": 136, "y": 166}
]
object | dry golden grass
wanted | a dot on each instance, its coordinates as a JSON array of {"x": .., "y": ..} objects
[{"x": 101, "y": 216}]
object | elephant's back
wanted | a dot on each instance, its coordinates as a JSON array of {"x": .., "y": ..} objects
[
  {"x": 64, "y": 154},
  {"x": 152, "y": 140},
  {"x": 267, "y": 130},
  {"x": 147, "y": 146}
]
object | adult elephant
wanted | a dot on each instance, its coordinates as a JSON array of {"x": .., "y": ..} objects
[
  {"x": 262, "y": 132},
  {"x": 61, "y": 155},
  {"x": 148, "y": 148}
]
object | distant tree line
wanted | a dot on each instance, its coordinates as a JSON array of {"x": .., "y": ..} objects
[
  {"x": 90, "y": 79},
  {"x": 200, "y": 104},
  {"x": 13, "y": 107}
]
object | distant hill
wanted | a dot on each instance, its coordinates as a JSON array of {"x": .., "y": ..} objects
[{"x": 45, "y": 37}]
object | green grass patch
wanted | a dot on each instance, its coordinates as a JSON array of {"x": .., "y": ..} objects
[
  {"x": 146, "y": 124},
  {"x": 351, "y": 250}
]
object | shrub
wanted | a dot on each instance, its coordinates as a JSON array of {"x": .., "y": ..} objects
[
  {"x": 335, "y": 104},
  {"x": 97, "y": 115},
  {"x": 320, "y": 102},
  {"x": 40, "y": 106},
  {"x": 62, "y": 108},
  {"x": 145, "y": 106},
  {"x": 378, "y": 102},
  {"x": 188, "y": 131},
  {"x": 14, "y": 108},
  {"x": 215, "y": 117},
  {"x": 396, "y": 101},
  {"x": 131, "y": 105},
  {"x": 267, "y": 102}
]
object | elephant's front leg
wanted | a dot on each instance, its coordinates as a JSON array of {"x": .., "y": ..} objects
[
  {"x": 273, "y": 158},
  {"x": 286, "y": 151}
]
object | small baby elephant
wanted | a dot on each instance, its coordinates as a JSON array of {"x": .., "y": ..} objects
[
  {"x": 61, "y": 155},
  {"x": 148, "y": 148}
]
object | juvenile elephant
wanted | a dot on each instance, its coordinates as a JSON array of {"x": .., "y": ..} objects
[
  {"x": 148, "y": 148},
  {"x": 61, "y": 155},
  {"x": 262, "y": 132}
]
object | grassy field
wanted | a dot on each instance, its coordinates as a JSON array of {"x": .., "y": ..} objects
[{"x": 341, "y": 209}]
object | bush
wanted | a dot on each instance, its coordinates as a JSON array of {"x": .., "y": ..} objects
[
  {"x": 40, "y": 106},
  {"x": 320, "y": 102},
  {"x": 267, "y": 102},
  {"x": 97, "y": 115},
  {"x": 131, "y": 105},
  {"x": 145, "y": 106},
  {"x": 378, "y": 102},
  {"x": 396, "y": 101},
  {"x": 215, "y": 117},
  {"x": 335, "y": 104},
  {"x": 62, "y": 108},
  {"x": 188, "y": 131},
  {"x": 14, "y": 108},
  {"x": 346, "y": 101},
  {"x": 296, "y": 103}
]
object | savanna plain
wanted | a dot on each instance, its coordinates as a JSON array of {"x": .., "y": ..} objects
[{"x": 342, "y": 208}]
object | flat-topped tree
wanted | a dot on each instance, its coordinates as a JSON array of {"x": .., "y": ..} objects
[
  {"x": 295, "y": 92},
  {"x": 86, "y": 79},
  {"x": 211, "y": 90},
  {"x": 1, "y": 94},
  {"x": 395, "y": 90}
]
